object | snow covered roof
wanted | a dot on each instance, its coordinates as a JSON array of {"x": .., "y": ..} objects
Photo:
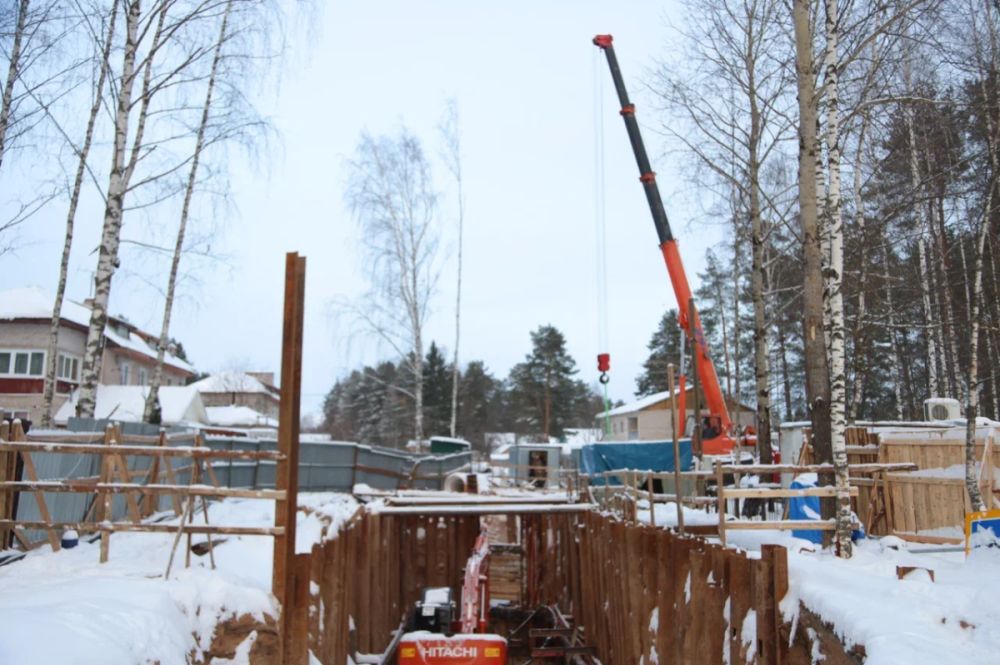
[
  {"x": 238, "y": 416},
  {"x": 31, "y": 302},
  {"x": 178, "y": 404},
  {"x": 232, "y": 382},
  {"x": 638, "y": 405},
  {"x": 34, "y": 303},
  {"x": 648, "y": 401}
]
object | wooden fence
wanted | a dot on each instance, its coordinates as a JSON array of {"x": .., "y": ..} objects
[
  {"x": 640, "y": 591},
  {"x": 116, "y": 478},
  {"x": 935, "y": 499},
  {"x": 370, "y": 574}
]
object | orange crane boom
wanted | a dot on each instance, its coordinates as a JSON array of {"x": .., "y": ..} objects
[{"x": 714, "y": 399}]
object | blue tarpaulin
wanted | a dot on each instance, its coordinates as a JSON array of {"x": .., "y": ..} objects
[
  {"x": 807, "y": 508},
  {"x": 647, "y": 456}
]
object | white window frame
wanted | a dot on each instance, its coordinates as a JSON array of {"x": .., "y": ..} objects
[
  {"x": 123, "y": 373},
  {"x": 74, "y": 362},
  {"x": 12, "y": 373},
  {"x": 143, "y": 376}
]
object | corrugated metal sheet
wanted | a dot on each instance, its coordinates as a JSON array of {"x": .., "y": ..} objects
[{"x": 336, "y": 466}]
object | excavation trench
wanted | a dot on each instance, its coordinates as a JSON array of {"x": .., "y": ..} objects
[{"x": 623, "y": 593}]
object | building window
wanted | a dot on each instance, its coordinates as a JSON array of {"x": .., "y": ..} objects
[
  {"x": 633, "y": 429},
  {"x": 142, "y": 376},
  {"x": 68, "y": 368},
  {"x": 22, "y": 363},
  {"x": 123, "y": 374}
]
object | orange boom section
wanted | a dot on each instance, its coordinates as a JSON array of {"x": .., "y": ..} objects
[{"x": 426, "y": 648}]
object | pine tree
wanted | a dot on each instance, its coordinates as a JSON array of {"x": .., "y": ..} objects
[
  {"x": 664, "y": 349},
  {"x": 542, "y": 387},
  {"x": 437, "y": 392},
  {"x": 481, "y": 404}
]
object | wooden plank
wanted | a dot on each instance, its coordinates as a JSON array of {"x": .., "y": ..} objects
[
  {"x": 782, "y": 525},
  {"x": 740, "y": 601},
  {"x": 141, "y": 451},
  {"x": 43, "y": 506},
  {"x": 760, "y": 493},
  {"x": 105, "y": 503},
  {"x": 89, "y": 487},
  {"x": 295, "y": 614},
  {"x": 721, "y": 502},
  {"x": 6, "y": 498},
  {"x": 926, "y": 538},
  {"x": 156, "y": 527},
  {"x": 287, "y": 468}
]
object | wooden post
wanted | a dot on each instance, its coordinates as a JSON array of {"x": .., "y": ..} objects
[
  {"x": 720, "y": 496},
  {"x": 287, "y": 471},
  {"x": 5, "y": 495},
  {"x": 295, "y": 614},
  {"x": 104, "y": 507},
  {"x": 677, "y": 448},
  {"x": 774, "y": 560},
  {"x": 17, "y": 434},
  {"x": 695, "y": 385},
  {"x": 652, "y": 504}
]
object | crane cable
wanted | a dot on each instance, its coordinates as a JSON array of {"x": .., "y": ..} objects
[{"x": 600, "y": 231}]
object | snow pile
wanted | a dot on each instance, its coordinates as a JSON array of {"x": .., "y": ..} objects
[
  {"x": 178, "y": 404},
  {"x": 666, "y": 515},
  {"x": 954, "y": 619},
  {"x": 65, "y": 607}
]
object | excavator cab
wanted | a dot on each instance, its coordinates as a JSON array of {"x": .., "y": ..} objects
[{"x": 445, "y": 633}]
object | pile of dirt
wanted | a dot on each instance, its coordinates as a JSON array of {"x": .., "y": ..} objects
[{"x": 247, "y": 636}]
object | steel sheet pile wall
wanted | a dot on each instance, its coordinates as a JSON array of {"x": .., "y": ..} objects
[
  {"x": 370, "y": 575},
  {"x": 640, "y": 591}
]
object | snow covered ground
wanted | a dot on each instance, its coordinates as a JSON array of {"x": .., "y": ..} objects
[
  {"x": 913, "y": 621},
  {"x": 64, "y": 607}
]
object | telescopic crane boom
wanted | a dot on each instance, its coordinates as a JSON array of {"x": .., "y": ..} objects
[{"x": 714, "y": 400}]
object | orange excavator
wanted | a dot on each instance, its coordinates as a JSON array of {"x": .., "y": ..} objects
[
  {"x": 718, "y": 432},
  {"x": 438, "y": 639}
]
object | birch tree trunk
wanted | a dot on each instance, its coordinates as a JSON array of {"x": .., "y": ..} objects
[
  {"x": 761, "y": 371},
  {"x": 13, "y": 72},
  {"x": 933, "y": 385},
  {"x": 972, "y": 387},
  {"x": 817, "y": 378},
  {"x": 152, "y": 410},
  {"x": 48, "y": 392},
  {"x": 107, "y": 260},
  {"x": 897, "y": 354},
  {"x": 834, "y": 292},
  {"x": 453, "y": 158},
  {"x": 860, "y": 339}
]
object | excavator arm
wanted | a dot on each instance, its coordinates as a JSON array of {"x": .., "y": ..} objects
[{"x": 671, "y": 255}]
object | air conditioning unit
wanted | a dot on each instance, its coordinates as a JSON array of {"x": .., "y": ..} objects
[{"x": 942, "y": 408}]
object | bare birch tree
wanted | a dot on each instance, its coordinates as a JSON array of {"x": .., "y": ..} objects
[
  {"x": 453, "y": 160},
  {"x": 83, "y": 153},
  {"x": 833, "y": 296},
  {"x": 735, "y": 99},
  {"x": 151, "y": 410},
  {"x": 174, "y": 70},
  {"x": 814, "y": 354},
  {"x": 986, "y": 57},
  {"x": 391, "y": 194}
]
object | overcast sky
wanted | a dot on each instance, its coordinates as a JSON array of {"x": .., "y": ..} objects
[{"x": 523, "y": 74}]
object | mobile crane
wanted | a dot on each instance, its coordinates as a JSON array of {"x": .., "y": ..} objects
[{"x": 718, "y": 439}]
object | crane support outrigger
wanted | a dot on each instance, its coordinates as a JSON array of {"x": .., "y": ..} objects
[{"x": 714, "y": 400}]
